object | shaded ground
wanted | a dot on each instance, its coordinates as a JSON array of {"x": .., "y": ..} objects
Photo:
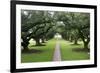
[
  {"x": 32, "y": 51},
  {"x": 38, "y": 45},
  {"x": 81, "y": 50}
]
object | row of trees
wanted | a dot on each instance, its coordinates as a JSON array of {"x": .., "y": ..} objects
[
  {"x": 37, "y": 25},
  {"x": 76, "y": 26},
  {"x": 45, "y": 24}
]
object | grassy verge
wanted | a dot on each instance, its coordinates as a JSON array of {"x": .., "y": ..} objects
[
  {"x": 46, "y": 53},
  {"x": 68, "y": 53}
]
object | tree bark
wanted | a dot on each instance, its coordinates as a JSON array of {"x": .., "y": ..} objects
[
  {"x": 83, "y": 39},
  {"x": 38, "y": 42},
  {"x": 25, "y": 44},
  {"x": 75, "y": 41},
  {"x": 85, "y": 45},
  {"x": 43, "y": 40}
]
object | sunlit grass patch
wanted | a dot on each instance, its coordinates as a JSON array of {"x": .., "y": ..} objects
[
  {"x": 68, "y": 53},
  {"x": 46, "y": 53}
]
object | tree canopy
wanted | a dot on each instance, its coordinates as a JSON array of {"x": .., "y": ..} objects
[{"x": 45, "y": 24}]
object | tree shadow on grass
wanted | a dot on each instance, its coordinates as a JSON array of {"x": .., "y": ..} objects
[
  {"x": 75, "y": 44},
  {"x": 44, "y": 42},
  {"x": 81, "y": 50},
  {"x": 31, "y": 51},
  {"x": 37, "y": 45}
]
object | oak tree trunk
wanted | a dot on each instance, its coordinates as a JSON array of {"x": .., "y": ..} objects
[
  {"x": 75, "y": 41},
  {"x": 25, "y": 44},
  {"x": 38, "y": 42},
  {"x": 85, "y": 45}
]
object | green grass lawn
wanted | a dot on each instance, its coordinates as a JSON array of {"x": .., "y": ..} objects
[
  {"x": 68, "y": 51},
  {"x": 46, "y": 53}
]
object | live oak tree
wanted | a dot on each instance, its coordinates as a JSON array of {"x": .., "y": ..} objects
[
  {"x": 24, "y": 29},
  {"x": 30, "y": 20},
  {"x": 35, "y": 24},
  {"x": 80, "y": 24},
  {"x": 40, "y": 30},
  {"x": 82, "y": 21},
  {"x": 76, "y": 25},
  {"x": 45, "y": 24}
]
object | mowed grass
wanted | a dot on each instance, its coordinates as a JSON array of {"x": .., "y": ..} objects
[
  {"x": 68, "y": 51},
  {"x": 67, "y": 48},
  {"x": 45, "y": 55}
]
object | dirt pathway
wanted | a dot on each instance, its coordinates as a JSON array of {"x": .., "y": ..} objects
[{"x": 57, "y": 54}]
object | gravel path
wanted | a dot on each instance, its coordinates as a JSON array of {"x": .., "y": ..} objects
[{"x": 57, "y": 54}]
